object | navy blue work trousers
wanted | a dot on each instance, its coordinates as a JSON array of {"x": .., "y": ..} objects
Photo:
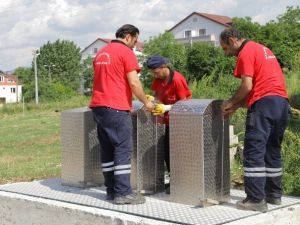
[
  {"x": 114, "y": 128},
  {"x": 265, "y": 125}
]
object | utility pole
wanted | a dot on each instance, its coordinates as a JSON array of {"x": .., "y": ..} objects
[
  {"x": 35, "y": 54},
  {"x": 17, "y": 87}
]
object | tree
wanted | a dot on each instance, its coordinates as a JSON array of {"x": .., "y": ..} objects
[
  {"x": 205, "y": 59},
  {"x": 87, "y": 73},
  {"x": 166, "y": 46},
  {"x": 283, "y": 36},
  {"x": 250, "y": 30},
  {"x": 26, "y": 78},
  {"x": 59, "y": 61}
]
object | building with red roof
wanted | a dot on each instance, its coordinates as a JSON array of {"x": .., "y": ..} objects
[{"x": 200, "y": 27}]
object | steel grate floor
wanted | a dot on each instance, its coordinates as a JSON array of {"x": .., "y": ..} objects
[{"x": 157, "y": 206}]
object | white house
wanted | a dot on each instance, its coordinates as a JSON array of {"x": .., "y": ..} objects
[
  {"x": 200, "y": 27},
  {"x": 92, "y": 49},
  {"x": 10, "y": 89}
]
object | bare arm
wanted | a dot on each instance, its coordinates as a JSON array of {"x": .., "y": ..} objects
[
  {"x": 137, "y": 89},
  {"x": 236, "y": 101}
]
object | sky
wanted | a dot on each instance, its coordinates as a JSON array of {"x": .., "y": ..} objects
[{"x": 26, "y": 25}]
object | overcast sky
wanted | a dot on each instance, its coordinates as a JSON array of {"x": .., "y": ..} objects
[{"x": 28, "y": 24}]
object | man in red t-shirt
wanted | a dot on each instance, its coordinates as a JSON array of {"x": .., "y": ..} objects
[
  {"x": 169, "y": 87},
  {"x": 263, "y": 92},
  {"x": 115, "y": 78}
]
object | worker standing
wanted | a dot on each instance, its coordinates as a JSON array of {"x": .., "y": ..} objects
[
  {"x": 115, "y": 79},
  {"x": 169, "y": 87},
  {"x": 263, "y": 91}
]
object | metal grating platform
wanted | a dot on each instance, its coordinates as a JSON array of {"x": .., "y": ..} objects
[{"x": 157, "y": 206}]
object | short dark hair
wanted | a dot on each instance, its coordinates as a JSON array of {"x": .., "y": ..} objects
[
  {"x": 127, "y": 29},
  {"x": 230, "y": 32}
]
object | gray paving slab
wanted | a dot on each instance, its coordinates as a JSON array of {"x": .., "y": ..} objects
[{"x": 157, "y": 207}]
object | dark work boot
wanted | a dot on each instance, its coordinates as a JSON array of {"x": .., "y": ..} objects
[
  {"x": 248, "y": 204},
  {"x": 273, "y": 201},
  {"x": 110, "y": 196},
  {"x": 133, "y": 199},
  {"x": 167, "y": 188}
]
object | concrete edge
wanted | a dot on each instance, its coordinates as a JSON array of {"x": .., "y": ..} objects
[
  {"x": 20, "y": 209},
  {"x": 289, "y": 215}
]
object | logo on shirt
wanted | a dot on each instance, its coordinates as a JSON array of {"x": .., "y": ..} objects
[
  {"x": 103, "y": 59},
  {"x": 268, "y": 53}
]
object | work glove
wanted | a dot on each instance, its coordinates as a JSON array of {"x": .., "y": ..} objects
[
  {"x": 160, "y": 109},
  {"x": 150, "y": 98}
]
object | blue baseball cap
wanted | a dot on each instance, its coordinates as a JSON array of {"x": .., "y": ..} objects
[{"x": 156, "y": 61}]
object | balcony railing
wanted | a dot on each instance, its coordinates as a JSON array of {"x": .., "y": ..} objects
[{"x": 202, "y": 38}]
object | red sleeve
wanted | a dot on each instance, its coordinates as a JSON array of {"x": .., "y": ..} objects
[{"x": 131, "y": 62}]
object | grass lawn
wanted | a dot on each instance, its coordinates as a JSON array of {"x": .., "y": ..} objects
[
  {"x": 29, "y": 146},
  {"x": 30, "y": 141}
]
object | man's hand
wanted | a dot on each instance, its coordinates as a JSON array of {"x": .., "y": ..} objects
[
  {"x": 150, "y": 98},
  {"x": 228, "y": 109},
  {"x": 149, "y": 105},
  {"x": 160, "y": 109}
]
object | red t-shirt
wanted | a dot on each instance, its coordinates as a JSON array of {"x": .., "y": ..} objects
[
  {"x": 111, "y": 87},
  {"x": 171, "y": 91},
  {"x": 257, "y": 61}
]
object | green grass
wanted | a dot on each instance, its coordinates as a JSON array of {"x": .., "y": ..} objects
[
  {"x": 293, "y": 83},
  {"x": 30, "y": 141}
]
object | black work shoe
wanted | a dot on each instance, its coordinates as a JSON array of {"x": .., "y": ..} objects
[
  {"x": 110, "y": 196},
  {"x": 167, "y": 188},
  {"x": 133, "y": 199},
  {"x": 167, "y": 191},
  {"x": 247, "y": 204},
  {"x": 273, "y": 201}
]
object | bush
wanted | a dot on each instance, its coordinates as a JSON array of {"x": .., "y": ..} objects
[
  {"x": 204, "y": 59},
  {"x": 293, "y": 82},
  {"x": 206, "y": 87},
  {"x": 291, "y": 159},
  {"x": 55, "y": 91}
]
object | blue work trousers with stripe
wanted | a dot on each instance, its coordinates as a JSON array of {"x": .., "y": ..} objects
[
  {"x": 114, "y": 128},
  {"x": 265, "y": 125}
]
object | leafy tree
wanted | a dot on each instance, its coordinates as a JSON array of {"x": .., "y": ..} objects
[
  {"x": 283, "y": 36},
  {"x": 55, "y": 91},
  {"x": 26, "y": 78},
  {"x": 251, "y": 30},
  {"x": 166, "y": 46},
  {"x": 60, "y": 61},
  {"x": 204, "y": 59},
  {"x": 87, "y": 73}
]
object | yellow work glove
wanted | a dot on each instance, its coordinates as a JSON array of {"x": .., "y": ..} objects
[
  {"x": 150, "y": 98},
  {"x": 160, "y": 109}
]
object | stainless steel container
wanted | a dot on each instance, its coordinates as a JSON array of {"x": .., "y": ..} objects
[
  {"x": 199, "y": 152},
  {"x": 81, "y": 162},
  {"x": 147, "y": 165}
]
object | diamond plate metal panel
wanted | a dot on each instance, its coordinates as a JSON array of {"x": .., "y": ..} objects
[
  {"x": 80, "y": 149},
  {"x": 157, "y": 206},
  {"x": 147, "y": 168},
  {"x": 199, "y": 152}
]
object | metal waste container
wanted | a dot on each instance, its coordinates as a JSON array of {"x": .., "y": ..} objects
[
  {"x": 147, "y": 165},
  {"x": 81, "y": 160},
  {"x": 199, "y": 152}
]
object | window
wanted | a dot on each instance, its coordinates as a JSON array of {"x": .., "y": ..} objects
[
  {"x": 187, "y": 33},
  {"x": 95, "y": 50},
  {"x": 1, "y": 79},
  {"x": 13, "y": 90},
  {"x": 202, "y": 32},
  {"x": 195, "y": 19}
]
